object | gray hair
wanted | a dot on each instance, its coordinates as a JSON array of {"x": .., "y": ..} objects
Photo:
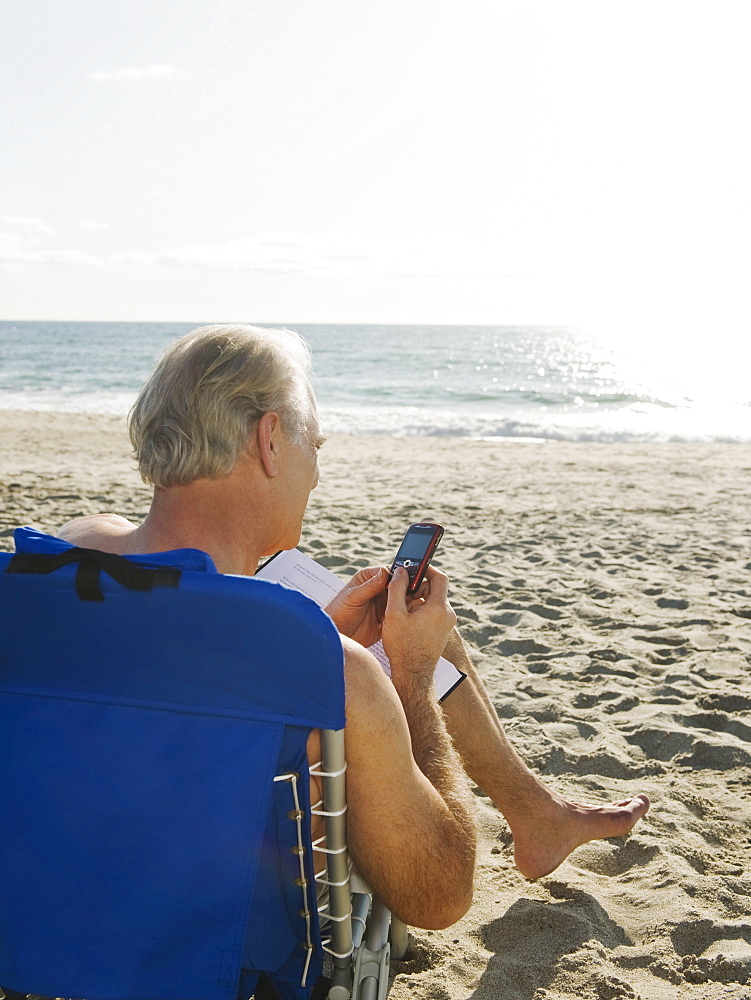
[{"x": 193, "y": 416}]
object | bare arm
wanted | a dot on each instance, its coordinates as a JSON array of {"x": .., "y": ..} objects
[{"x": 411, "y": 819}]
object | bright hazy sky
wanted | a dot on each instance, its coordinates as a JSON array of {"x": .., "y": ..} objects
[{"x": 575, "y": 162}]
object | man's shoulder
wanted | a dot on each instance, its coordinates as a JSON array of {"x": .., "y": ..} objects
[{"x": 94, "y": 531}]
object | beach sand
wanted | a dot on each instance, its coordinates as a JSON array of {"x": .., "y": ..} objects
[{"x": 605, "y": 591}]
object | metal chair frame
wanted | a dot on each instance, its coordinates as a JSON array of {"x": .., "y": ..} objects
[{"x": 361, "y": 934}]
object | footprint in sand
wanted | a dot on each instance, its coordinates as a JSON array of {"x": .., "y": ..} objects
[
  {"x": 660, "y": 744},
  {"x": 665, "y": 658},
  {"x": 613, "y": 859},
  {"x": 527, "y": 610},
  {"x": 714, "y": 951},
  {"x": 609, "y": 655},
  {"x": 624, "y": 704},
  {"x": 733, "y": 703},
  {"x": 672, "y": 602},
  {"x": 533, "y": 927},
  {"x": 719, "y": 722},
  {"x": 715, "y": 756},
  {"x": 512, "y": 647}
]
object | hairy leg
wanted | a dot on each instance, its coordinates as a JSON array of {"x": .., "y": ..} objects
[{"x": 545, "y": 827}]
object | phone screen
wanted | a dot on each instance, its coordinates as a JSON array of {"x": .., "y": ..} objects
[
  {"x": 416, "y": 551},
  {"x": 415, "y": 544}
]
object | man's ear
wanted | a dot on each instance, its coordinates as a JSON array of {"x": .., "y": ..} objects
[{"x": 268, "y": 443}]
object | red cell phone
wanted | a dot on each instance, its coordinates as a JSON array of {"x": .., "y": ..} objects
[{"x": 416, "y": 551}]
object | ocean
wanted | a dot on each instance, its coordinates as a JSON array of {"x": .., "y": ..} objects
[{"x": 495, "y": 383}]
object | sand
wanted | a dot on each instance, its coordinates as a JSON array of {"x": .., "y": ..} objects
[{"x": 606, "y": 594}]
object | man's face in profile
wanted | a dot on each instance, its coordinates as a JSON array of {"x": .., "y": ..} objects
[{"x": 301, "y": 473}]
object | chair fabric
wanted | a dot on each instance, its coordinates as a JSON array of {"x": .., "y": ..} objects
[{"x": 146, "y": 852}]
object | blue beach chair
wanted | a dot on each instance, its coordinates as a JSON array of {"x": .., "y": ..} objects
[{"x": 156, "y": 837}]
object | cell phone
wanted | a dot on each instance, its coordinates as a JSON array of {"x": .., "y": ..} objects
[{"x": 416, "y": 551}]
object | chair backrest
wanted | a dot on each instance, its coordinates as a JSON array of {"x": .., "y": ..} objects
[{"x": 146, "y": 852}]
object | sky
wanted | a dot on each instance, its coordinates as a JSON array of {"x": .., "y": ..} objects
[{"x": 564, "y": 162}]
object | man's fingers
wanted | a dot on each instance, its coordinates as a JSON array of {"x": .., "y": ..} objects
[
  {"x": 366, "y": 576},
  {"x": 422, "y": 591},
  {"x": 438, "y": 585},
  {"x": 374, "y": 581}
]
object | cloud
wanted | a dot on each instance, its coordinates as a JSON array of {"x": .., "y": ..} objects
[
  {"x": 127, "y": 74},
  {"x": 28, "y": 240},
  {"x": 68, "y": 257},
  {"x": 338, "y": 255},
  {"x": 24, "y": 226},
  {"x": 10, "y": 254}
]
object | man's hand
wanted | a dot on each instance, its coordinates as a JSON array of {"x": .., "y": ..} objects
[
  {"x": 358, "y": 609},
  {"x": 415, "y": 630}
]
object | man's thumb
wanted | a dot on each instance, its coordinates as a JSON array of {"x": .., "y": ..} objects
[{"x": 398, "y": 586}]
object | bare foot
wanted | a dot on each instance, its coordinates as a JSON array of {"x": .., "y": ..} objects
[{"x": 542, "y": 842}]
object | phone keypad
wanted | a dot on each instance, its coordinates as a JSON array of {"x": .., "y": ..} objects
[{"x": 411, "y": 567}]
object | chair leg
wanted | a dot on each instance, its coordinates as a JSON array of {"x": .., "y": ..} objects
[
  {"x": 399, "y": 938},
  {"x": 371, "y": 978}
]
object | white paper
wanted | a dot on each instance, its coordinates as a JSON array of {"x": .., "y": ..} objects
[{"x": 299, "y": 572}]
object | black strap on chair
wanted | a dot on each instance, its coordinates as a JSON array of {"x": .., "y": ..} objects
[{"x": 90, "y": 564}]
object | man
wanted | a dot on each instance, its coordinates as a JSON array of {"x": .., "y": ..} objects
[{"x": 226, "y": 431}]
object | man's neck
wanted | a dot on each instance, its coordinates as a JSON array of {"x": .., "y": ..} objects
[
  {"x": 201, "y": 516},
  {"x": 237, "y": 519}
]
